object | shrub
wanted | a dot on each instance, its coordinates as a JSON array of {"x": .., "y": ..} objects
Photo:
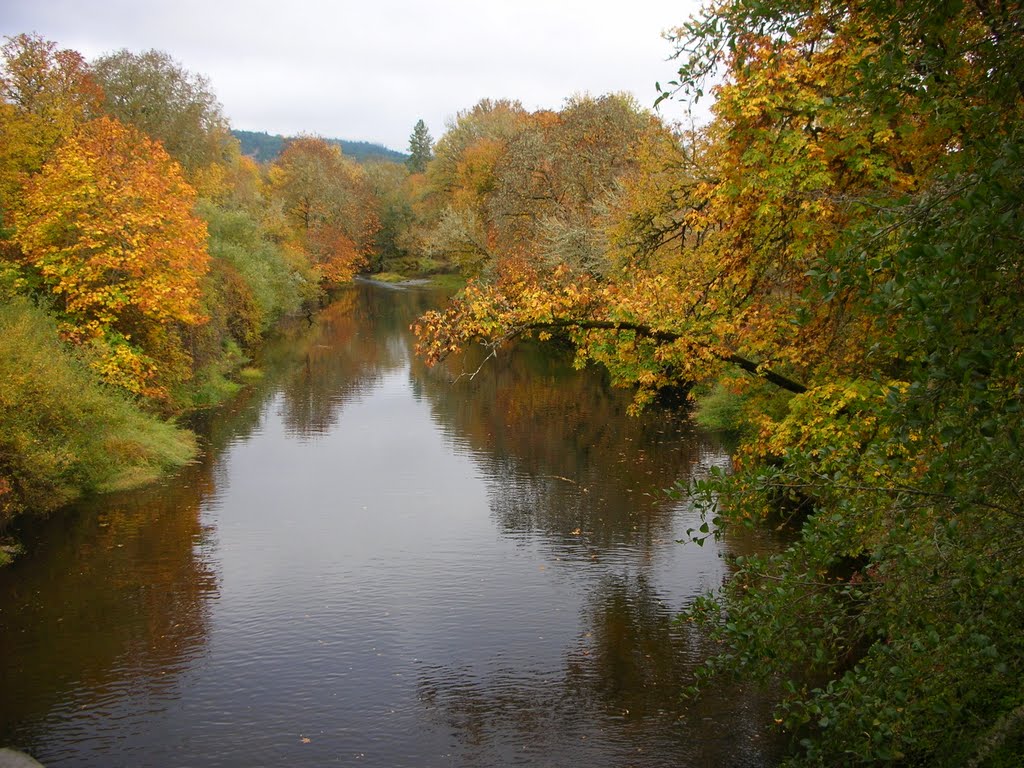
[{"x": 63, "y": 432}]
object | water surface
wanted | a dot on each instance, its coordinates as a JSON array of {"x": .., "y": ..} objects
[{"x": 379, "y": 564}]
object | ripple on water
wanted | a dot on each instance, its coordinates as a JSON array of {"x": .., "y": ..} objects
[{"x": 378, "y": 564}]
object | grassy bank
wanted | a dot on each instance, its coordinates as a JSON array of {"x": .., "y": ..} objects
[
  {"x": 449, "y": 281},
  {"x": 64, "y": 433}
]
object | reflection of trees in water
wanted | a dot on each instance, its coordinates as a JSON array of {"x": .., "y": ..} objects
[
  {"x": 319, "y": 365},
  {"x": 113, "y": 599},
  {"x": 344, "y": 362},
  {"x": 617, "y": 697},
  {"x": 558, "y": 450},
  {"x": 564, "y": 463},
  {"x": 361, "y": 336},
  {"x": 631, "y": 659}
]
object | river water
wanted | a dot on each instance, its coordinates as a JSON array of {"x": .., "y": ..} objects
[{"x": 379, "y": 564}]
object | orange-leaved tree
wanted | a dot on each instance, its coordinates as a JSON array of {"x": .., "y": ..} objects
[
  {"x": 45, "y": 94},
  {"x": 107, "y": 228},
  {"x": 329, "y": 206}
]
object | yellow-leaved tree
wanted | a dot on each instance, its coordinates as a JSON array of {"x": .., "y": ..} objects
[{"x": 107, "y": 227}]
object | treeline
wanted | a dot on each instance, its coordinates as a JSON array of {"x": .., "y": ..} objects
[
  {"x": 265, "y": 147},
  {"x": 142, "y": 259},
  {"x": 506, "y": 185},
  {"x": 833, "y": 265}
]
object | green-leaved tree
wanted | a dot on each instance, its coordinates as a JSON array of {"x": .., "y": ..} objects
[{"x": 421, "y": 148}]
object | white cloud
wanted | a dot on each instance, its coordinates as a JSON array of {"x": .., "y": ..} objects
[{"x": 369, "y": 69}]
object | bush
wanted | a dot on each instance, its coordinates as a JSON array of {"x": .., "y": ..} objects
[
  {"x": 277, "y": 285},
  {"x": 63, "y": 432}
]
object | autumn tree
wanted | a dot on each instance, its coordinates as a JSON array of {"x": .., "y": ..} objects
[
  {"x": 108, "y": 228},
  {"x": 532, "y": 185},
  {"x": 45, "y": 94},
  {"x": 421, "y": 148},
  {"x": 48, "y": 93},
  {"x": 329, "y": 205},
  {"x": 489, "y": 121},
  {"x": 556, "y": 178}
]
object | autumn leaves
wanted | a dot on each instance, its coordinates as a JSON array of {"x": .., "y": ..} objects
[
  {"x": 110, "y": 174},
  {"x": 108, "y": 228}
]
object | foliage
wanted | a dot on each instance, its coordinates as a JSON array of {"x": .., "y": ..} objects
[
  {"x": 535, "y": 187},
  {"x": 720, "y": 409},
  {"x": 421, "y": 148},
  {"x": 902, "y": 462},
  {"x": 61, "y": 430},
  {"x": 46, "y": 92},
  {"x": 257, "y": 270},
  {"x": 107, "y": 227},
  {"x": 395, "y": 191},
  {"x": 154, "y": 93},
  {"x": 329, "y": 207}
]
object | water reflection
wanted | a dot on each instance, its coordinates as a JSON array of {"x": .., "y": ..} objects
[
  {"x": 569, "y": 475},
  {"x": 614, "y": 701},
  {"x": 349, "y": 347},
  {"x": 560, "y": 458},
  {"x": 384, "y": 563},
  {"x": 112, "y": 605}
]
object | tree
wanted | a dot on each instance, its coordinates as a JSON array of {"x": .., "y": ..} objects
[
  {"x": 108, "y": 228},
  {"x": 556, "y": 178},
  {"x": 45, "y": 94},
  {"x": 421, "y": 148},
  {"x": 330, "y": 206},
  {"x": 162, "y": 99},
  {"x": 51, "y": 87},
  {"x": 507, "y": 183}
]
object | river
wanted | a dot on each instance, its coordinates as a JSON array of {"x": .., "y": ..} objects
[{"x": 380, "y": 564}]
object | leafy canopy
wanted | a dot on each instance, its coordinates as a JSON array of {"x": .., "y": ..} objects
[{"x": 109, "y": 229}]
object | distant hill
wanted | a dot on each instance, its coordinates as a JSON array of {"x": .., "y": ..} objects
[{"x": 264, "y": 147}]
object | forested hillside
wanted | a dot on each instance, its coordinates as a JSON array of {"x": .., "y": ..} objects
[{"x": 264, "y": 147}]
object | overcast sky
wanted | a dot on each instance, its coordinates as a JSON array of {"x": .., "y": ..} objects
[{"x": 368, "y": 70}]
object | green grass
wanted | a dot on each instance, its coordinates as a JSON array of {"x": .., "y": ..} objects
[
  {"x": 451, "y": 281},
  {"x": 249, "y": 374},
  {"x": 719, "y": 409},
  {"x": 389, "y": 277},
  {"x": 62, "y": 431}
]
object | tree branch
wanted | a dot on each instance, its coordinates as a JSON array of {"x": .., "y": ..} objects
[{"x": 668, "y": 337}]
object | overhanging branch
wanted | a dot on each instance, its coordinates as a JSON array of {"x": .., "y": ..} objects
[{"x": 668, "y": 337}]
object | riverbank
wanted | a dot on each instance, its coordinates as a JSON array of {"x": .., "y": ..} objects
[
  {"x": 64, "y": 434},
  {"x": 9, "y": 758},
  {"x": 446, "y": 280}
]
